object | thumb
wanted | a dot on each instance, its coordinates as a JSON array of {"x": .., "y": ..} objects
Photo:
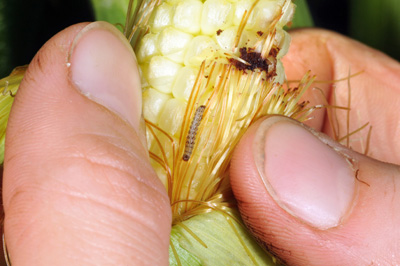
[
  {"x": 78, "y": 185},
  {"x": 311, "y": 201}
]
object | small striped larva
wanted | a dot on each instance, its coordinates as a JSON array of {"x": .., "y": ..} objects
[{"x": 191, "y": 136}]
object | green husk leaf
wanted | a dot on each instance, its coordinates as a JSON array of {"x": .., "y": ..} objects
[
  {"x": 8, "y": 88},
  {"x": 185, "y": 257},
  {"x": 223, "y": 245},
  {"x": 302, "y": 17},
  {"x": 113, "y": 12}
]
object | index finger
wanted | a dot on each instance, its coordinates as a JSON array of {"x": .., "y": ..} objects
[{"x": 375, "y": 93}]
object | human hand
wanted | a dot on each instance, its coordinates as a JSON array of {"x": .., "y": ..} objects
[
  {"x": 73, "y": 191},
  {"x": 347, "y": 205}
]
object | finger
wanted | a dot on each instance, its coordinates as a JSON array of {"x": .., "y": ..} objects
[
  {"x": 310, "y": 201},
  {"x": 375, "y": 96},
  {"x": 306, "y": 54},
  {"x": 78, "y": 185}
]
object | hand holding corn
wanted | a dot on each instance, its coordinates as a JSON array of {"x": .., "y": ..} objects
[{"x": 79, "y": 188}]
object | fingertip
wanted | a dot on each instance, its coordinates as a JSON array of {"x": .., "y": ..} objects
[
  {"x": 308, "y": 205},
  {"x": 103, "y": 67}
]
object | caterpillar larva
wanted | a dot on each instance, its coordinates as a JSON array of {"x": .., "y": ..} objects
[{"x": 191, "y": 137}]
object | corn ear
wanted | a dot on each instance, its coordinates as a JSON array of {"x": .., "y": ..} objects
[
  {"x": 222, "y": 54},
  {"x": 220, "y": 58}
]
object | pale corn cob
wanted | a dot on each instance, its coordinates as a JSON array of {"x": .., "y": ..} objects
[{"x": 219, "y": 57}]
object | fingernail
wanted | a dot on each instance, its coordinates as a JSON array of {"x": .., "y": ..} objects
[
  {"x": 306, "y": 177},
  {"x": 103, "y": 67}
]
